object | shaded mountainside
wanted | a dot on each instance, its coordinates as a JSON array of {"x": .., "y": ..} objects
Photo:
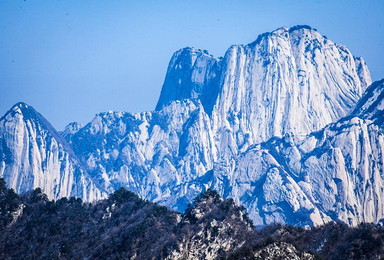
[
  {"x": 122, "y": 226},
  {"x": 127, "y": 227}
]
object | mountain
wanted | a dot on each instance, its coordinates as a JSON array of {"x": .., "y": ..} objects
[
  {"x": 331, "y": 174},
  {"x": 123, "y": 226},
  {"x": 264, "y": 125},
  {"x": 34, "y": 155},
  {"x": 211, "y": 110},
  {"x": 290, "y": 80},
  {"x": 371, "y": 106}
]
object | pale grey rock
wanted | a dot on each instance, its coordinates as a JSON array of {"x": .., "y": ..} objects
[
  {"x": 257, "y": 125},
  {"x": 71, "y": 129},
  {"x": 371, "y": 106},
  {"x": 290, "y": 80},
  {"x": 333, "y": 174},
  {"x": 211, "y": 115},
  {"x": 212, "y": 229},
  {"x": 281, "y": 250},
  {"x": 34, "y": 155}
]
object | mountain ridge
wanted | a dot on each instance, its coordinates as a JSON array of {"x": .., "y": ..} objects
[
  {"x": 240, "y": 124},
  {"x": 37, "y": 155}
]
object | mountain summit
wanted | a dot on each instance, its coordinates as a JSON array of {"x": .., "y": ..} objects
[
  {"x": 33, "y": 154},
  {"x": 273, "y": 124},
  {"x": 292, "y": 80}
]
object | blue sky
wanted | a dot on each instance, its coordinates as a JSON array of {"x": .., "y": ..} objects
[{"x": 72, "y": 59}]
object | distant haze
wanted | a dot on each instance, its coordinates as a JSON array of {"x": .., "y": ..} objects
[{"x": 72, "y": 59}]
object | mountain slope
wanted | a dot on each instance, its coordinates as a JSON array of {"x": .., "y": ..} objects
[
  {"x": 244, "y": 124},
  {"x": 371, "y": 106},
  {"x": 290, "y": 80},
  {"x": 122, "y": 226},
  {"x": 210, "y": 111},
  {"x": 34, "y": 155},
  {"x": 332, "y": 174},
  {"x": 127, "y": 227}
]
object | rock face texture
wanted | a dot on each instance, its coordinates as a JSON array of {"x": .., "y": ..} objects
[
  {"x": 273, "y": 124},
  {"x": 291, "y": 80},
  {"x": 332, "y": 174},
  {"x": 211, "y": 228},
  {"x": 281, "y": 251},
  {"x": 33, "y": 154}
]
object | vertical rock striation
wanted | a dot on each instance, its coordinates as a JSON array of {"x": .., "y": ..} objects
[
  {"x": 34, "y": 155},
  {"x": 273, "y": 124}
]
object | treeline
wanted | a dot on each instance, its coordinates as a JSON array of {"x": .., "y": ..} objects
[
  {"x": 127, "y": 227},
  {"x": 333, "y": 240}
]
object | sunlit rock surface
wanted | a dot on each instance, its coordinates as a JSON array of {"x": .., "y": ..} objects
[
  {"x": 33, "y": 154},
  {"x": 272, "y": 124}
]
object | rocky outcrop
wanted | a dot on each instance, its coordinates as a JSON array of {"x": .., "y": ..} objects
[
  {"x": 33, "y": 154},
  {"x": 273, "y": 124},
  {"x": 281, "y": 250},
  {"x": 211, "y": 228},
  {"x": 332, "y": 174}
]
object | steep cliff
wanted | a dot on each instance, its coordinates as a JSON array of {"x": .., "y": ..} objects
[{"x": 34, "y": 155}]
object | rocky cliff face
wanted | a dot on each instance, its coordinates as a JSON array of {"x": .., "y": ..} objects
[
  {"x": 333, "y": 174},
  {"x": 250, "y": 125},
  {"x": 34, "y": 155},
  {"x": 290, "y": 80},
  {"x": 336, "y": 172}
]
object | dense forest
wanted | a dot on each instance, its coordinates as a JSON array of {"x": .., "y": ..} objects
[{"x": 125, "y": 226}]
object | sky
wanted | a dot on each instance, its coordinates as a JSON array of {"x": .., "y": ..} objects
[{"x": 73, "y": 59}]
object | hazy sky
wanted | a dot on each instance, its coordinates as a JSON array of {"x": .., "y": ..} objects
[{"x": 71, "y": 59}]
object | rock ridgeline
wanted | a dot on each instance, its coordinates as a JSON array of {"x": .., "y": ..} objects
[{"x": 285, "y": 125}]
